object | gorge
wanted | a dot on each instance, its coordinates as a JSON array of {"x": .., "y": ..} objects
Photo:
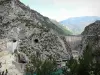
[{"x": 27, "y": 31}]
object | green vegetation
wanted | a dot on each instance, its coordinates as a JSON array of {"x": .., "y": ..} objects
[
  {"x": 65, "y": 30},
  {"x": 62, "y": 30},
  {"x": 87, "y": 64},
  {"x": 41, "y": 67},
  {"x": 84, "y": 66}
]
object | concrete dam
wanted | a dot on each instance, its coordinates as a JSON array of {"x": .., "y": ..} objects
[{"x": 74, "y": 42}]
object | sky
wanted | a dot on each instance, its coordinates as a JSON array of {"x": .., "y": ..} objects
[{"x": 63, "y": 9}]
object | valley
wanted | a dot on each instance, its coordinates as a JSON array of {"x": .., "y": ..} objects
[{"x": 33, "y": 43}]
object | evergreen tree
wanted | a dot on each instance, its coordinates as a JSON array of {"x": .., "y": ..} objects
[
  {"x": 84, "y": 64},
  {"x": 41, "y": 67}
]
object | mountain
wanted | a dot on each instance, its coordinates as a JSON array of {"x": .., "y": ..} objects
[
  {"x": 65, "y": 29},
  {"x": 92, "y": 29},
  {"x": 77, "y": 24},
  {"x": 27, "y": 31},
  {"x": 91, "y": 36}
]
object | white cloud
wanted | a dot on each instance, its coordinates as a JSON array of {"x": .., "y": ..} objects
[
  {"x": 84, "y": 11},
  {"x": 77, "y": 8},
  {"x": 63, "y": 9}
]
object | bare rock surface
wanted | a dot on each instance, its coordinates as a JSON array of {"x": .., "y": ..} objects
[
  {"x": 91, "y": 35},
  {"x": 29, "y": 32}
]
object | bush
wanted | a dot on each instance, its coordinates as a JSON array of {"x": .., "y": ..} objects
[
  {"x": 41, "y": 67},
  {"x": 84, "y": 65}
]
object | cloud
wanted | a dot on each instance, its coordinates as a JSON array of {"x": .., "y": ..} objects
[
  {"x": 77, "y": 8},
  {"x": 83, "y": 11}
]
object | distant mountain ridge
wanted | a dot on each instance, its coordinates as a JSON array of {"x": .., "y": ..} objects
[
  {"x": 77, "y": 24},
  {"x": 65, "y": 29}
]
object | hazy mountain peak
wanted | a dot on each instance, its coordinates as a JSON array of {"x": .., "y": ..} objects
[{"x": 77, "y": 24}]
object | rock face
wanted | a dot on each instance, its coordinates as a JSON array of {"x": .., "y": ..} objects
[
  {"x": 91, "y": 35},
  {"x": 92, "y": 29},
  {"x": 9, "y": 63},
  {"x": 32, "y": 33},
  {"x": 28, "y": 27}
]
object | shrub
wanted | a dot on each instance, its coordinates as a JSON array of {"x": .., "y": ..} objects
[{"x": 41, "y": 67}]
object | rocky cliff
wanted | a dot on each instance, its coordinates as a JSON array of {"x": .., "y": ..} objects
[
  {"x": 29, "y": 32},
  {"x": 77, "y": 24},
  {"x": 91, "y": 35}
]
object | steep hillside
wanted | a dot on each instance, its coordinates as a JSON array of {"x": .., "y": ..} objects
[
  {"x": 92, "y": 36},
  {"x": 92, "y": 29},
  {"x": 32, "y": 33},
  {"x": 77, "y": 24},
  {"x": 8, "y": 62},
  {"x": 65, "y": 29}
]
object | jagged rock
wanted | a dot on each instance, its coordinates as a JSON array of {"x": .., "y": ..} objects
[
  {"x": 34, "y": 33},
  {"x": 25, "y": 25},
  {"x": 22, "y": 58},
  {"x": 91, "y": 35},
  {"x": 92, "y": 29},
  {"x": 9, "y": 63}
]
